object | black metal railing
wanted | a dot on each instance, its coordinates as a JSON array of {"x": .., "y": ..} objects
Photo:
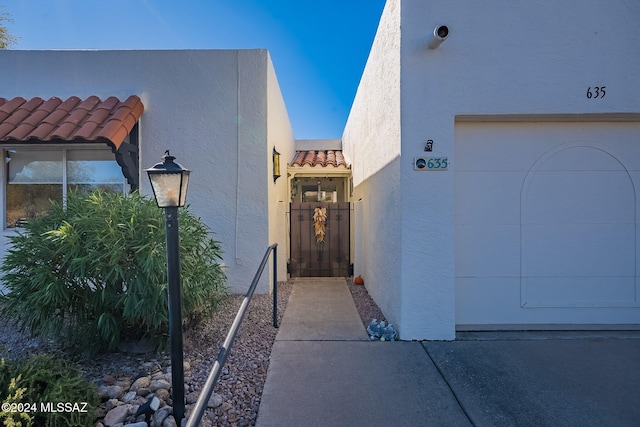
[{"x": 212, "y": 380}]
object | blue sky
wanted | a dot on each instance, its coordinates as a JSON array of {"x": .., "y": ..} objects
[{"x": 318, "y": 48}]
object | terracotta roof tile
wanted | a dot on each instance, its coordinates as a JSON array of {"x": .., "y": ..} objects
[
  {"x": 99, "y": 115},
  {"x": 73, "y": 119},
  {"x": 322, "y": 158},
  {"x": 87, "y": 130},
  {"x": 77, "y": 116},
  {"x": 89, "y": 103}
]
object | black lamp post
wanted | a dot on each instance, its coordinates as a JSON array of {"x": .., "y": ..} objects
[{"x": 169, "y": 181}]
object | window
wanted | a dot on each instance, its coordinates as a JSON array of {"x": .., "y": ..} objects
[{"x": 36, "y": 176}]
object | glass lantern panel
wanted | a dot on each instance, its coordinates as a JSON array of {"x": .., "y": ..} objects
[
  {"x": 166, "y": 187},
  {"x": 183, "y": 189}
]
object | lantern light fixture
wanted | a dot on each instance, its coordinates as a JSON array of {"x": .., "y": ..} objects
[{"x": 169, "y": 181}]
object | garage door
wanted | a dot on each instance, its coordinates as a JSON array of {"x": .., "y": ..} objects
[{"x": 547, "y": 225}]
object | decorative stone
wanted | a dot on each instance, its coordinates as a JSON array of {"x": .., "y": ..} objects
[
  {"x": 161, "y": 414},
  {"x": 125, "y": 383},
  {"x": 158, "y": 376},
  {"x": 159, "y": 384},
  {"x": 116, "y": 415},
  {"x": 214, "y": 401},
  {"x": 129, "y": 397},
  {"x": 162, "y": 394},
  {"x": 138, "y": 424},
  {"x": 171, "y": 422},
  {"x": 192, "y": 397},
  {"x": 155, "y": 403},
  {"x": 114, "y": 391},
  {"x": 111, "y": 403},
  {"x": 142, "y": 382}
]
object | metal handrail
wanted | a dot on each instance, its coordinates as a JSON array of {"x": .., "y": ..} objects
[{"x": 205, "y": 394}]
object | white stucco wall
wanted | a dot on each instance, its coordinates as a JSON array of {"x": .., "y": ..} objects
[
  {"x": 208, "y": 107},
  {"x": 528, "y": 60},
  {"x": 371, "y": 144},
  {"x": 280, "y": 136}
]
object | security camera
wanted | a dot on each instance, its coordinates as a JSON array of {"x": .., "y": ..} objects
[{"x": 440, "y": 34}]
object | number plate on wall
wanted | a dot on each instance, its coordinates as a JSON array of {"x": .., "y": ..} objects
[{"x": 431, "y": 163}]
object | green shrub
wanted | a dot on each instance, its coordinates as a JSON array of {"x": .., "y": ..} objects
[
  {"x": 43, "y": 383},
  {"x": 94, "y": 272}
]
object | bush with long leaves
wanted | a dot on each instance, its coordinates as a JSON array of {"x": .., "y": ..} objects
[{"x": 93, "y": 272}]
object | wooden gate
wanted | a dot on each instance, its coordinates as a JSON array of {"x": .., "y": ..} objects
[{"x": 311, "y": 258}]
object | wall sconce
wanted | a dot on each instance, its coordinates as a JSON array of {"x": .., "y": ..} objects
[{"x": 276, "y": 164}]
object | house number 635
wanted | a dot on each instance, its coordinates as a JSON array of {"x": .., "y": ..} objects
[{"x": 596, "y": 92}]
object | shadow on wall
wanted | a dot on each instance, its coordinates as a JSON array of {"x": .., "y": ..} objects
[{"x": 377, "y": 231}]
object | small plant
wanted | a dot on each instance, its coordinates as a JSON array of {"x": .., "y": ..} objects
[
  {"x": 93, "y": 273},
  {"x": 48, "y": 392}
]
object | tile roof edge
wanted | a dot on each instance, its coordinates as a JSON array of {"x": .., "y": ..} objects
[{"x": 57, "y": 112}]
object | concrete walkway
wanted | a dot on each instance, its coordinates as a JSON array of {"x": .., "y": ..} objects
[{"x": 325, "y": 372}]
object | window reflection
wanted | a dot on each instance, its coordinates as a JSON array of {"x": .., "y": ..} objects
[{"x": 35, "y": 177}]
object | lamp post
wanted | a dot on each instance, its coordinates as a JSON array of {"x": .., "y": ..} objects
[{"x": 169, "y": 181}]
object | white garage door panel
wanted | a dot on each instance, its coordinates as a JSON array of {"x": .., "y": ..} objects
[
  {"x": 500, "y": 254},
  {"x": 493, "y": 196},
  {"x": 568, "y": 291},
  {"x": 570, "y": 197},
  {"x": 546, "y": 223},
  {"x": 578, "y": 250}
]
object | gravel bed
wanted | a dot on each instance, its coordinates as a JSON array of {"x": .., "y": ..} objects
[{"x": 243, "y": 377}]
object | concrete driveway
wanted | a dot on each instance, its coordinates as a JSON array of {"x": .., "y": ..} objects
[{"x": 324, "y": 372}]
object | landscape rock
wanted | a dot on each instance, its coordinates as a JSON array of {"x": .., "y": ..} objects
[
  {"x": 159, "y": 384},
  {"x": 114, "y": 391},
  {"x": 142, "y": 382},
  {"x": 192, "y": 397},
  {"x": 215, "y": 400},
  {"x": 129, "y": 397},
  {"x": 116, "y": 415},
  {"x": 240, "y": 385},
  {"x": 155, "y": 403},
  {"x": 162, "y": 394},
  {"x": 111, "y": 403},
  {"x": 160, "y": 415}
]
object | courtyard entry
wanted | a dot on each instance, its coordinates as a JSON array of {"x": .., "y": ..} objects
[{"x": 320, "y": 239}]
